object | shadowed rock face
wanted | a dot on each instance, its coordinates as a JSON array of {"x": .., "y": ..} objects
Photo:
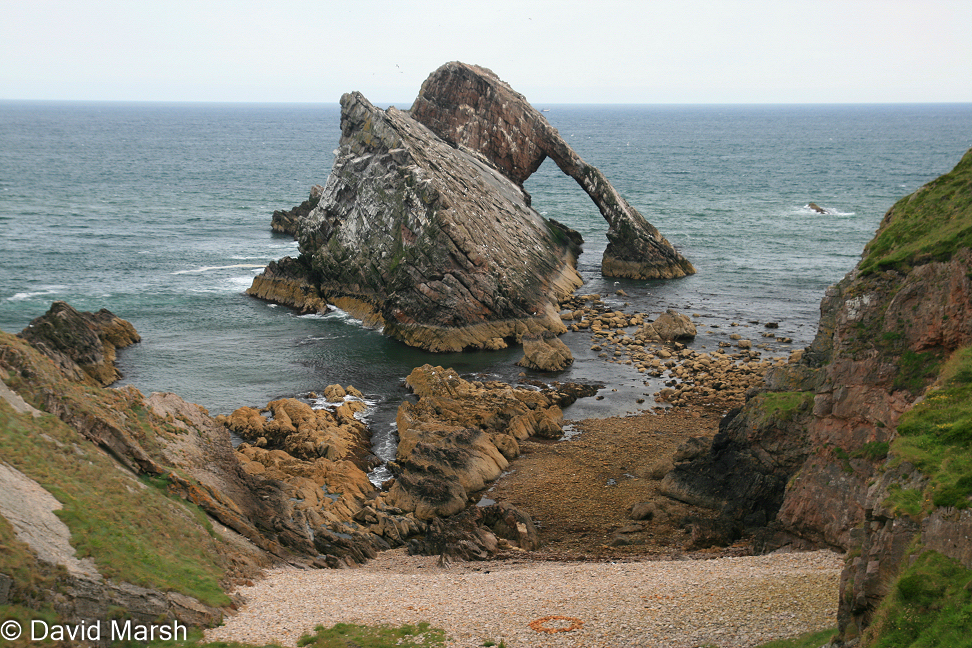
[
  {"x": 810, "y": 454},
  {"x": 471, "y": 107},
  {"x": 423, "y": 227}
]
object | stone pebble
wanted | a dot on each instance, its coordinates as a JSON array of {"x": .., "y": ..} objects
[{"x": 733, "y": 602}]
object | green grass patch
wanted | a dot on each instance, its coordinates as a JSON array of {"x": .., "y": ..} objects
[
  {"x": 872, "y": 451},
  {"x": 30, "y": 577},
  {"x": 936, "y": 435},
  {"x": 342, "y": 635},
  {"x": 909, "y": 501},
  {"x": 915, "y": 370},
  {"x": 809, "y": 640},
  {"x": 23, "y": 616},
  {"x": 133, "y": 532},
  {"x": 930, "y": 604},
  {"x": 784, "y": 406},
  {"x": 929, "y": 225}
]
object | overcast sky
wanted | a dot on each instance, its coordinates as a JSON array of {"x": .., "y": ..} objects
[{"x": 563, "y": 51}]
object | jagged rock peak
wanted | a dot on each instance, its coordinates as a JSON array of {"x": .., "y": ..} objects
[{"x": 471, "y": 107}]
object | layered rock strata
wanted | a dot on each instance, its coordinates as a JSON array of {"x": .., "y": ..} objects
[
  {"x": 461, "y": 435},
  {"x": 433, "y": 238},
  {"x": 469, "y": 106},
  {"x": 810, "y": 454},
  {"x": 431, "y": 241},
  {"x": 82, "y": 344}
]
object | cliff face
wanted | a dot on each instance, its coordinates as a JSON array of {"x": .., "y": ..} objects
[
  {"x": 423, "y": 226},
  {"x": 823, "y": 453}
]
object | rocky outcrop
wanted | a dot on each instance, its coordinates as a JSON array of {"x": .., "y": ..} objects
[
  {"x": 434, "y": 243},
  {"x": 545, "y": 352},
  {"x": 286, "y": 222},
  {"x": 469, "y": 106},
  {"x": 82, "y": 344},
  {"x": 461, "y": 435},
  {"x": 289, "y": 283},
  {"x": 811, "y": 453},
  {"x": 478, "y": 533},
  {"x": 431, "y": 236},
  {"x": 306, "y": 433}
]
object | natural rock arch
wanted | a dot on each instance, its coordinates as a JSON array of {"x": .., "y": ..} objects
[{"x": 470, "y": 106}]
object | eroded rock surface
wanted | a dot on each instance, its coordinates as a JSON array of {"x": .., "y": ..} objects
[
  {"x": 423, "y": 227},
  {"x": 545, "y": 352},
  {"x": 81, "y": 341},
  {"x": 469, "y": 106},
  {"x": 461, "y": 435}
]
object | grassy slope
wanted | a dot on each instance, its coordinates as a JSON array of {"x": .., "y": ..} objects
[
  {"x": 131, "y": 529},
  {"x": 931, "y": 601},
  {"x": 930, "y": 224}
]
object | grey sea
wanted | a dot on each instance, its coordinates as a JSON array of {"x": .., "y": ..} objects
[{"x": 161, "y": 213}]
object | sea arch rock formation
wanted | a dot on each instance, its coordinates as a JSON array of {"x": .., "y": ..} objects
[
  {"x": 470, "y": 106},
  {"x": 424, "y": 228}
]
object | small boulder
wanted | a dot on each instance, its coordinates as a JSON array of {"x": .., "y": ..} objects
[
  {"x": 545, "y": 352},
  {"x": 672, "y": 325}
]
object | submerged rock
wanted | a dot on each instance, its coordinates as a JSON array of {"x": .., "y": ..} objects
[{"x": 423, "y": 227}]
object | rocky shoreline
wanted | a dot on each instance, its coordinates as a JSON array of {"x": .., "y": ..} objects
[{"x": 857, "y": 444}]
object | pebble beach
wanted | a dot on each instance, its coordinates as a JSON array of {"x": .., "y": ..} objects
[{"x": 734, "y": 602}]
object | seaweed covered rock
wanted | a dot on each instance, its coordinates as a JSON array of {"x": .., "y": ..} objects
[{"x": 462, "y": 434}]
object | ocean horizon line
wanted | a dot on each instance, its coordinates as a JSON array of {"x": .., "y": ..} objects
[{"x": 538, "y": 105}]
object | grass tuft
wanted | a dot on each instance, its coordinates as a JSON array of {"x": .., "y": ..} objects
[
  {"x": 342, "y": 635},
  {"x": 809, "y": 640},
  {"x": 936, "y": 437},
  {"x": 930, "y": 604}
]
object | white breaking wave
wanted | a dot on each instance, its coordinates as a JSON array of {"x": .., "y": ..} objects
[
  {"x": 211, "y": 268},
  {"x": 828, "y": 211},
  {"x": 334, "y": 313},
  {"x": 45, "y": 290}
]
